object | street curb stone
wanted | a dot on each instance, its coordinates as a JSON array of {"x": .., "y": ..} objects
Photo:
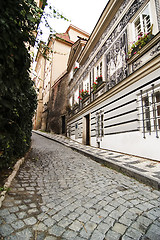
[
  {"x": 10, "y": 179},
  {"x": 123, "y": 169},
  {"x": 131, "y": 172}
]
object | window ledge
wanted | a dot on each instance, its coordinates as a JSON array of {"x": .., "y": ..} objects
[{"x": 86, "y": 98}]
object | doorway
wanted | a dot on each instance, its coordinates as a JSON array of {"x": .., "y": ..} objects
[
  {"x": 87, "y": 117},
  {"x": 63, "y": 124}
]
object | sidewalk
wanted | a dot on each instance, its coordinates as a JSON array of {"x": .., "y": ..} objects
[{"x": 144, "y": 170}]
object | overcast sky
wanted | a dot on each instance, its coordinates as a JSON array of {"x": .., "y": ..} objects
[{"x": 83, "y": 14}]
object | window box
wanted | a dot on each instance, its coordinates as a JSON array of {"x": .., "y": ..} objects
[
  {"x": 137, "y": 46},
  {"x": 76, "y": 105},
  {"x": 85, "y": 98},
  {"x": 75, "y": 69},
  {"x": 97, "y": 83},
  {"x": 86, "y": 101},
  {"x": 99, "y": 80},
  {"x": 97, "y": 86},
  {"x": 83, "y": 94}
]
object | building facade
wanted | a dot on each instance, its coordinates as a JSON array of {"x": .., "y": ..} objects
[
  {"x": 114, "y": 83},
  {"x": 51, "y": 64},
  {"x": 38, "y": 80}
]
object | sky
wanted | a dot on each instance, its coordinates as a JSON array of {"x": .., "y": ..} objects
[{"x": 83, "y": 14}]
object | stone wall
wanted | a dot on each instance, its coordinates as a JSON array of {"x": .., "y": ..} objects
[{"x": 57, "y": 106}]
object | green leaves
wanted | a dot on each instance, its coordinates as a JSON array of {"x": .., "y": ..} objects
[
  {"x": 17, "y": 95},
  {"x": 18, "y": 23}
]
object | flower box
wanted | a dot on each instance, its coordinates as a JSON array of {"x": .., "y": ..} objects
[
  {"x": 99, "y": 79},
  {"x": 76, "y": 105},
  {"x": 97, "y": 84},
  {"x": 143, "y": 39},
  {"x": 83, "y": 94},
  {"x": 75, "y": 69}
]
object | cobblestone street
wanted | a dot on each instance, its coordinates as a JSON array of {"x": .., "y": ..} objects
[{"x": 64, "y": 195}]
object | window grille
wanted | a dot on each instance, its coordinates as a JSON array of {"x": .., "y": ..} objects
[
  {"x": 100, "y": 126},
  {"x": 149, "y": 111},
  {"x": 69, "y": 130}
]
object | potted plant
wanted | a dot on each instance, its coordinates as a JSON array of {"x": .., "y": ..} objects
[
  {"x": 143, "y": 39},
  {"x": 99, "y": 79},
  {"x": 83, "y": 94},
  {"x": 94, "y": 87},
  {"x": 97, "y": 83},
  {"x": 75, "y": 69}
]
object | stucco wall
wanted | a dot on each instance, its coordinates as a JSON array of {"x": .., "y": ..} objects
[
  {"x": 60, "y": 57},
  {"x": 122, "y": 130}
]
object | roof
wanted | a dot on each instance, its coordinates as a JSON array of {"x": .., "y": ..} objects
[
  {"x": 65, "y": 37},
  {"x": 78, "y": 30}
]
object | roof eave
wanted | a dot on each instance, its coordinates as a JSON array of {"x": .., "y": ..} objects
[{"x": 104, "y": 20}]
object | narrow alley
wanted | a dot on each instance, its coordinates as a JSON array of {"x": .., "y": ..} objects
[{"x": 61, "y": 194}]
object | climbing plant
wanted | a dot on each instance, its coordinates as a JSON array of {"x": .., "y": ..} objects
[{"x": 18, "y": 23}]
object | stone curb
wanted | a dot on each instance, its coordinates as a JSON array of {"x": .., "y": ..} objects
[
  {"x": 122, "y": 169},
  {"x": 10, "y": 179},
  {"x": 148, "y": 180}
]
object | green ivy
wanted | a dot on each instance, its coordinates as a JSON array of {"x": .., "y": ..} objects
[{"x": 18, "y": 20}]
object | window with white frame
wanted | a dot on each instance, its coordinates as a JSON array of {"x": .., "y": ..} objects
[
  {"x": 70, "y": 101},
  {"x": 91, "y": 78},
  {"x": 76, "y": 95},
  {"x": 142, "y": 24},
  {"x": 71, "y": 74},
  {"x": 76, "y": 67},
  {"x": 149, "y": 111},
  {"x": 99, "y": 70},
  {"x": 99, "y": 125},
  {"x": 86, "y": 85}
]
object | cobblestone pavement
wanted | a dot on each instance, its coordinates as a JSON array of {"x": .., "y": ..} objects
[
  {"x": 64, "y": 195},
  {"x": 142, "y": 169}
]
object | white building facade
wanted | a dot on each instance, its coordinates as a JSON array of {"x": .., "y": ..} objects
[{"x": 119, "y": 75}]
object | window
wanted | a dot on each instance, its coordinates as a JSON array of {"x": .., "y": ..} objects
[
  {"x": 142, "y": 23},
  {"x": 157, "y": 110},
  {"x": 99, "y": 70},
  {"x": 69, "y": 130},
  {"x": 71, "y": 101},
  {"x": 149, "y": 111},
  {"x": 86, "y": 85},
  {"x": 100, "y": 125},
  {"x": 76, "y": 95},
  {"x": 91, "y": 77},
  {"x": 76, "y": 67}
]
